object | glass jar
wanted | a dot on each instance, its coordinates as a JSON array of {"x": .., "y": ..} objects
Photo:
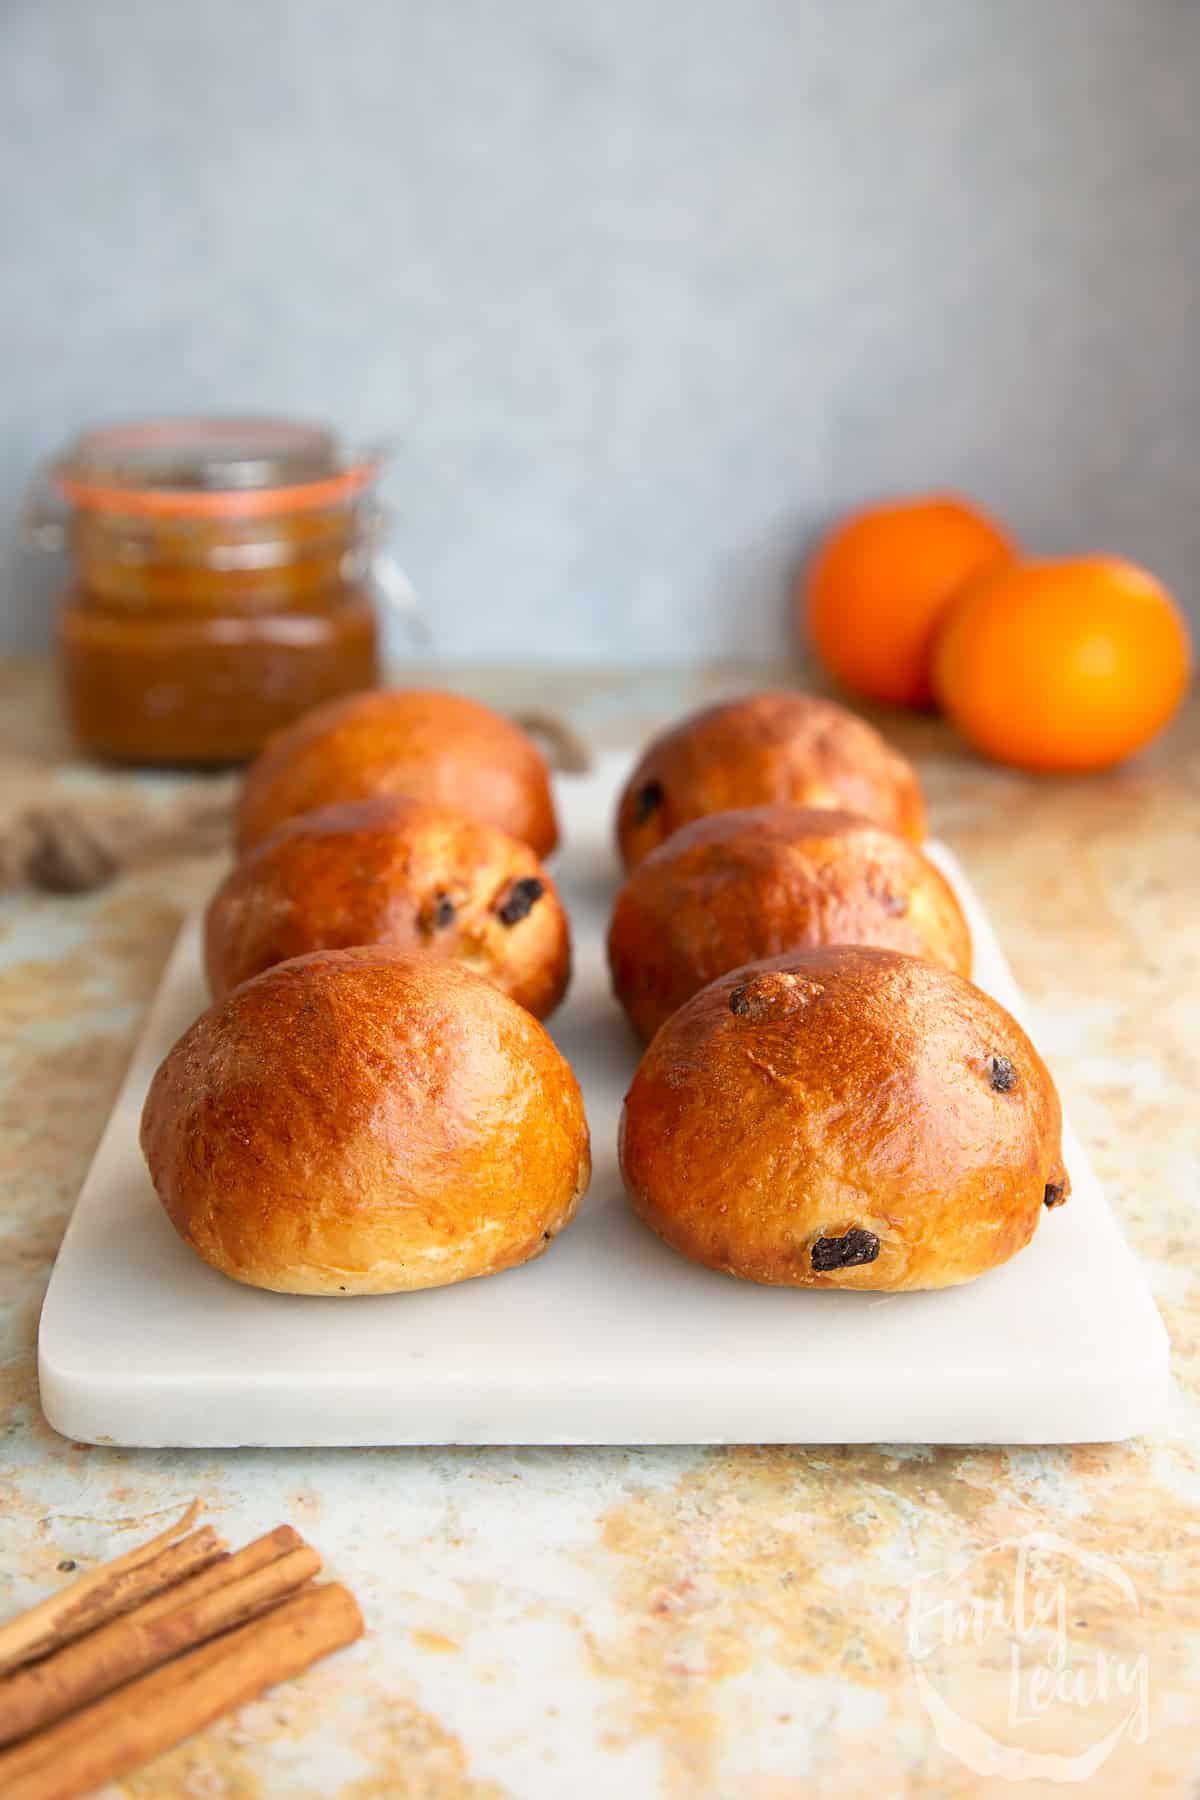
[{"x": 223, "y": 583}]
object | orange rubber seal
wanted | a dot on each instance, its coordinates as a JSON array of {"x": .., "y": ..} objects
[{"x": 95, "y": 493}]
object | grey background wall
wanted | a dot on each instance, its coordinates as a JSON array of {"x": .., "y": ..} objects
[{"x": 645, "y": 291}]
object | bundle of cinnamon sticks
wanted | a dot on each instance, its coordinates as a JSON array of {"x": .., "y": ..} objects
[{"x": 138, "y": 1654}]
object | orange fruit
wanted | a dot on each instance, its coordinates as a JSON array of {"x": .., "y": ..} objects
[
  {"x": 1062, "y": 665},
  {"x": 877, "y": 586}
]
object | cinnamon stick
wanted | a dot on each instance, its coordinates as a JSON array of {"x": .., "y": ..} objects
[
  {"x": 128, "y": 1647},
  {"x": 150, "y": 1715},
  {"x": 108, "y": 1591},
  {"x": 224, "y": 1568},
  {"x": 152, "y": 1690}
]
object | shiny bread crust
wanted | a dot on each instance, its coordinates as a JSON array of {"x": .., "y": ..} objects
[
  {"x": 427, "y": 745},
  {"x": 388, "y": 870},
  {"x": 847, "y": 1117},
  {"x": 766, "y": 748},
  {"x": 363, "y": 1122},
  {"x": 738, "y": 886}
]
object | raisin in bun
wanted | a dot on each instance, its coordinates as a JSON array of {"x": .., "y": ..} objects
[
  {"x": 429, "y": 746},
  {"x": 738, "y": 886},
  {"x": 766, "y": 749},
  {"x": 359, "y": 1122},
  {"x": 392, "y": 871},
  {"x": 847, "y": 1118}
]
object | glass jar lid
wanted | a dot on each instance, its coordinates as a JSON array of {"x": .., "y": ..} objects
[{"x": 210, "y": 467}]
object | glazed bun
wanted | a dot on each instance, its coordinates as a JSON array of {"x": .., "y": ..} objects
[
  {"x": 359, "y": 1122},
  {"x": 398, "y": 872},
  {"x": 766, "y": 749},
  {"x": 738, "y": 886},
  {"x": 847, "y": 1118},
  {"x": 430, "y": 746}
]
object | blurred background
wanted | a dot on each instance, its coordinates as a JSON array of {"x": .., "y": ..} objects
[{"x": 643, "y": 295}]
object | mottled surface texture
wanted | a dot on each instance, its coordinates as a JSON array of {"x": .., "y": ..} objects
[
  {"x": 643, "y": 293},
  {"x": 650, "y": 1622}
]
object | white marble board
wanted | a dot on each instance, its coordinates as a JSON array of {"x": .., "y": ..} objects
[{"x": 609, "y": 1338}]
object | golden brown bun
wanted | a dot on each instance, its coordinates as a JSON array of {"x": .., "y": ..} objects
[
  {"x": 359, "y": 1122},
  {"x": 430, "y": 746},
  {"x": 397, "y": 872},
  {"x": 738, "y": 886},
  {"x": 847, "y": 1118},
  {"x": 766, "y": 749}
]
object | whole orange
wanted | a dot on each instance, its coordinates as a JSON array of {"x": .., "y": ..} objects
[
  {"x": 878, "y": 584},
  {"x": 1062, "y": 665}
]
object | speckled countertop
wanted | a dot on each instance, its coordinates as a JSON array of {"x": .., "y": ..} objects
[{"x": 670, "y": 1622}]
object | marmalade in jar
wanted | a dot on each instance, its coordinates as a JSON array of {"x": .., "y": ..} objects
[{"x": 221, "y": 585}]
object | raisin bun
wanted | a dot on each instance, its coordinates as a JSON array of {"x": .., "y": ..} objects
[
  {"x": 739, "y": 886},
  {"x": 392, "y": 871},
  {"x": 361, "y": 1121},
  {"x": 844, "y": 1118},
  {"x": 766, "y": 749},
  {"x": 429, "y": 746}
]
